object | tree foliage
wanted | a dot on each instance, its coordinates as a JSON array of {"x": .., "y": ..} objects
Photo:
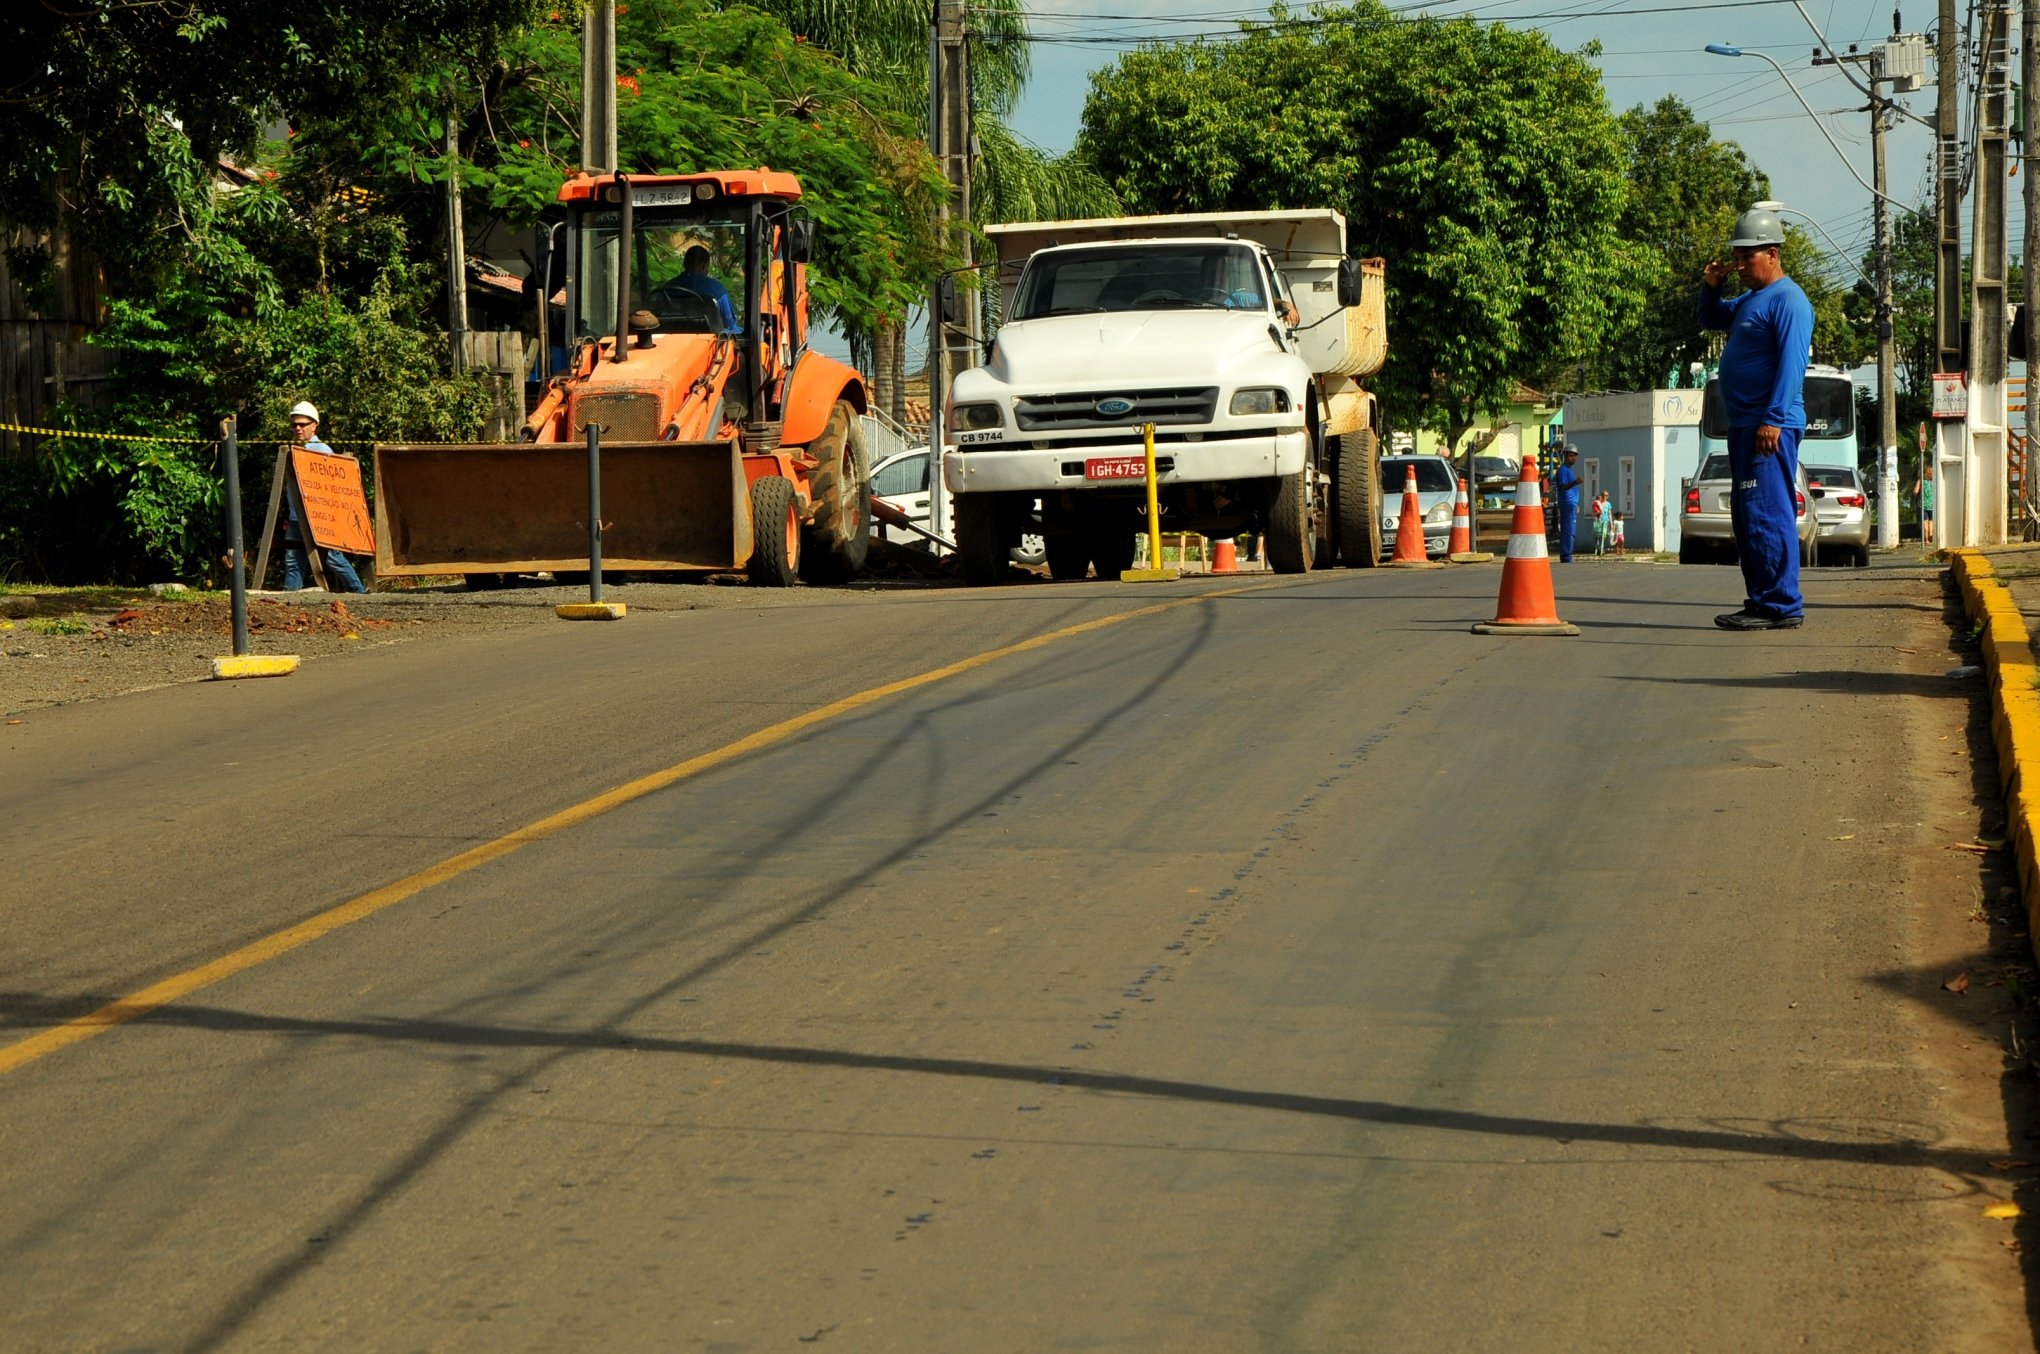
[{"x": 1481, "y": 162}]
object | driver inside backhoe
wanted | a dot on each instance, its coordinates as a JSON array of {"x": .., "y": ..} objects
[{"x": 696, "y": 280}]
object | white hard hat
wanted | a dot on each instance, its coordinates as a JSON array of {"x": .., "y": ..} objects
[
  {"x": 1757, "y": 227},
  {"x": 305, "y": 409}
]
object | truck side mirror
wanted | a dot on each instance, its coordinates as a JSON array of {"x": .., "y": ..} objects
[
  {"x": 800, "y": 240},
  {"x": 1349, "y": 282}
]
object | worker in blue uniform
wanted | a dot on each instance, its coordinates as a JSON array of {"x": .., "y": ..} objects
[
  {"x": 1565, "y": 488},
  {"x": 1763, "y": 378}
]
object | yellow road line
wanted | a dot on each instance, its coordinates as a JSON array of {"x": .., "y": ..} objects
[{"x": 138, "y": 1004}]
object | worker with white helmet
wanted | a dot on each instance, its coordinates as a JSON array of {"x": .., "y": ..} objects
[
  {"x": 297, "y": 564},
  {"x": 1762, "y": 381}
]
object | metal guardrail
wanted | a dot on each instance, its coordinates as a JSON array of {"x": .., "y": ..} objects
[{"x": 882, "y": 436}]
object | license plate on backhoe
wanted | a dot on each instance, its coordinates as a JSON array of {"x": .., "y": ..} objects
[{"x": 1115, "y": 468}]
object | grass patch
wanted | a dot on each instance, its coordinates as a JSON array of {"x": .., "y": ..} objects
[{"x": 57, "y": 625}]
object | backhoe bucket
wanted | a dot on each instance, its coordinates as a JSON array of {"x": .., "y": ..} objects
[{"x": 522, "y": 507}]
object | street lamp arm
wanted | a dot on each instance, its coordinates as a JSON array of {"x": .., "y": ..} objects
[{"x": 1728, "y": 49}]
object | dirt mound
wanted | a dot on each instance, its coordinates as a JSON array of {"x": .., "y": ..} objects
[{"x": 265, "y": 616}]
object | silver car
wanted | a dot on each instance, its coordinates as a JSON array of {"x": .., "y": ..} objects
[
  {"x": 1436, "y": 483},
  {"x": 1843, "y": 509},
  {"x": 1705, "y": 533}
]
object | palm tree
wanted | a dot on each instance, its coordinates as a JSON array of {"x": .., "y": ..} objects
[{"x": 887, "y": 40}]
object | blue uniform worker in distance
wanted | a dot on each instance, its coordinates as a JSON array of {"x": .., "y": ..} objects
[
  {"x": 702, "y": 283},
  {"x": 1763, "y": 380},
  {"x": 1565, "y": 491}
]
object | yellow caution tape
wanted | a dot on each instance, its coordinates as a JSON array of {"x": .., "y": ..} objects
[{"x": 105, "y": 437}]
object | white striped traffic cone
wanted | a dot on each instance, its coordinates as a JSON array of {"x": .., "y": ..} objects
[{"x": 1526, "y": 606}]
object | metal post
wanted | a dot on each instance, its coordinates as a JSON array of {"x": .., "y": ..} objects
[
  {"x": 2029, "y": 59},
  {"x": 950, "y": 141},
  {"x": 237, "y": 584},
  {"x": 1948, "y": 195},
  {"x": 594, "y": 512},
  {"x": 1147, "y": 437}
]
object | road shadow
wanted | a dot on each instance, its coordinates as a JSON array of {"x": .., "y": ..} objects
[{"x": 1844, "y": 681}]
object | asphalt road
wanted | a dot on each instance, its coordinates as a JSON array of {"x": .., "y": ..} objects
[{"x": 1272, "y": 965}]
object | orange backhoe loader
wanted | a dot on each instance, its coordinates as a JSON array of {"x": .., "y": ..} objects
[{"x": 726, "y": 443}]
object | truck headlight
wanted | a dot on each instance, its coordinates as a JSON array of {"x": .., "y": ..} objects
[
  {"x": 1269, "y": 400},
  {"x": 972, "y": 417}
]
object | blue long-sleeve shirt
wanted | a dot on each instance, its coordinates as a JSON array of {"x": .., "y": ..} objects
[{"x": 1763, "y": 368}]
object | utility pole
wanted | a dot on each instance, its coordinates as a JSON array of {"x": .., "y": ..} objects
[
  {"x": 1887, "y": 383},
  {"x": 1983, "y": 484},
  {"x": 952, "y": 313},
  {"x": 1947, "y": 196},
  {"x": 598, "y": 87},
  {"x": 2029, "y": 92},
  {"x": 456, "y": 247}
]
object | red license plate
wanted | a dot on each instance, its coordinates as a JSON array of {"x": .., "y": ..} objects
[{"x": 1115, "y": 468}]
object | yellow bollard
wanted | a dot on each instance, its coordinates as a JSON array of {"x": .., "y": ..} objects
[{"x": 1154, "y": 573}]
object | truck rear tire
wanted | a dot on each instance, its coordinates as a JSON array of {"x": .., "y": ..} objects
[
  {"x": 981, "y": 547},
  {"x": 775, "y": 533},
  {"x": 838, "y": 537},
  {"x": 1357, "y": 475},
  {"x": 1291, "y": 532}
]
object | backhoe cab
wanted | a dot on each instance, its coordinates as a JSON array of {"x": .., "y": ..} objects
[{"x": 726, "y": 443}]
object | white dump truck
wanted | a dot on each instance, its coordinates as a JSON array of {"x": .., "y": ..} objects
[{"x": 1239, "y": 335}]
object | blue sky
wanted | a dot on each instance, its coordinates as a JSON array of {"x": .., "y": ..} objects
[{"x": 1650, "y": 48}]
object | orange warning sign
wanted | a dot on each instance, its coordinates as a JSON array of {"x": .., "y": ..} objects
[{"x": 336, "y": 511}]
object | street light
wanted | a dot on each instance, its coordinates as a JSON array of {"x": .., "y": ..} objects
[{"x": 1728, "y": 49}]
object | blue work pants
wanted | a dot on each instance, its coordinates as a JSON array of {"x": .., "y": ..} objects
[
  {"x": 1763, "y": 512},
  {"x": 1568, "y": 528},
  {"x": 297, "y": 570}
]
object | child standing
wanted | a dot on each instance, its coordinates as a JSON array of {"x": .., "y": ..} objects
[{"x": 1621, "y": 548}]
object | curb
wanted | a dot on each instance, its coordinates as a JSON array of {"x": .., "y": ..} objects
[{"x": 2015, "y": 705}]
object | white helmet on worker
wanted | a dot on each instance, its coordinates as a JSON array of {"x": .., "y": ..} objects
[
  {"x": 1758, "y": 227},
  {"x": 305, "y": 409}
]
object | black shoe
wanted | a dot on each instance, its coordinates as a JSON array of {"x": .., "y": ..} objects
[{"x": 1747, "y": 620}]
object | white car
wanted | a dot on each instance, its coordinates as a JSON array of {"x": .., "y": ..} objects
[{"x": 901, "y": 479}]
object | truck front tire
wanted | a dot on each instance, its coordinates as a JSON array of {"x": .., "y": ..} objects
[
  {"x": 981, "y": 547},
  {"x": 1292, "y": 534}
]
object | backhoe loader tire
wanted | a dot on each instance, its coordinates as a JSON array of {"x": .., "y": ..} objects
[
  {"x": 775, "y": 532},
  {"x": 1291, "y": 533},
  {"x": 1357, "y": 474},
  {"x": 838, "y": 537},
  {"x": 981, "y": 547}
]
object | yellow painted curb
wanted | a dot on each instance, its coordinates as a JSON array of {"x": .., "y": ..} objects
[
  {"x": 1149, "y": 575},
  {"x": 2015, "y": 708},
  {"x": 590, "y": 611},
  {"x": 250, "y": 665}
]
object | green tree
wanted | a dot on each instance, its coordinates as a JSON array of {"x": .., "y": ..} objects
[{"x": 1480, "y": 161}]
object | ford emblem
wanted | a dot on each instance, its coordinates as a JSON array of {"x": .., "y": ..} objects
[{"x": 1114, "y": 406}]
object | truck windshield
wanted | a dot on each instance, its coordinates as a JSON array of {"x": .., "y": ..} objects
[
  {"x": 1149, "y": 277},
  {"x": 659, "y": 277},
  {"x": 1830, "y": 410}
]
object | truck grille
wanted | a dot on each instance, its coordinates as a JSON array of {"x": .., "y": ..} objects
[
  {"x": 624, "y": 417},
  {"x": 1053, "y": 413}
]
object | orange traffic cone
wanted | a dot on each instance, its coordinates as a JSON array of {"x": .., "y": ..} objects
[
  {"x": 1460, "y": 548},
  {"x": 1224, "y": 557},
  {"x": 1462, "y": 525},
  {"x": 1409, "y": 531},
  {"x": 1526, "y": 606}
]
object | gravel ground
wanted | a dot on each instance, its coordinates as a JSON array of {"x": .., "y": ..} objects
[{"x": 71, "y": 645}]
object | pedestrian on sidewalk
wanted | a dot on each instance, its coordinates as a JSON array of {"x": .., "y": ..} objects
[
  {"x": 1621, "y": 547},
  {"x": 297, "y": 564},
  {"x": 1923, "y": 490},
  {"x": 1762, "y": 379},
  {"x": 1603, "y": 522},
  {"x": 1565, "y": 491}
]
